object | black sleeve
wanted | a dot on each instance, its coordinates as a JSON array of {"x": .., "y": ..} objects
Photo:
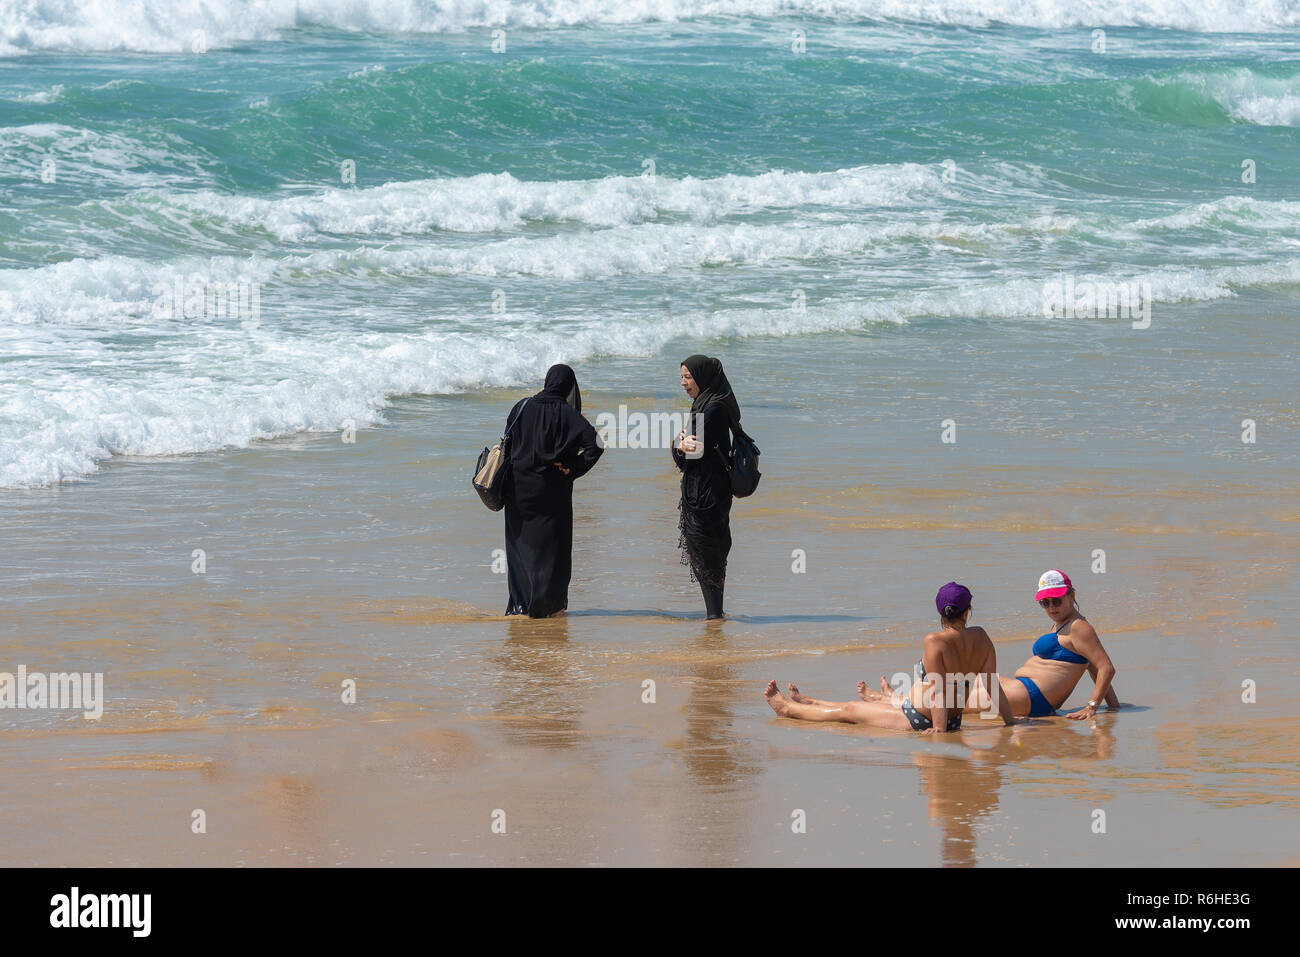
[
  {"x": 586, "y": 447},
  {"x": 717, "y": 431},
  {"x": 680, "y": 458}
]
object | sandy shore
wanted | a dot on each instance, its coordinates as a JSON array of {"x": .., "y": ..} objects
[{"x": 373, "y": 562}]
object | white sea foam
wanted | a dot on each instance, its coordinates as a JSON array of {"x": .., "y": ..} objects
[
  {"x": 1249, "y": 96},
  {"x": 71, "y": 399},
  {"x": 111, "y": 290},
  {"x": 1229, "y": 212},
  {"x": 94, "y": 157},
  {"x": 42, "y": 96},
  {"x": 1253, "y": 97},
  {"x": 492, "y": 202},
  {"x": 114, "y": 288},
  {"x": 176, "y": 26}
]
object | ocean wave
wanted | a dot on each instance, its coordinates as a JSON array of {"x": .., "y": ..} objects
[
  {"x": 114, "y": 288},
  {"x": 1255, "y": 98},
  {"x": 1230, "y": 213},
  {"x": 111, "y": 290},
  {"x": 75, "y": 155},
  {"x": 71, "y": 399},
  {"x": 1191, "y": 96},
  {"x": 493, "y": 202},
  {"x": 178, "y": 26},
  {"x": 1215, "y": 96}
]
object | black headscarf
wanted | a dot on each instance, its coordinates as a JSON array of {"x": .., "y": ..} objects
[
  {"x": 714, "y": 387},
  {"x": 562, "y": 384}
]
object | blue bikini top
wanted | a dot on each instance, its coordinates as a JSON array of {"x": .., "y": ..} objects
[{"x": 1049, "y": 646}]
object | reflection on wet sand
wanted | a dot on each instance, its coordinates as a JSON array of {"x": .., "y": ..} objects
[
  {"x": 961, "y": 790},
  {"x": 539, "y": 683},
  {"x": 719, "y": 761}
]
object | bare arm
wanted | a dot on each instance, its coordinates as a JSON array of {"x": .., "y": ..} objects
[
  {"x": 936, "y": 676},
  {"x": 1112, "y": 699},
  {"x": 1083, "y": 640}
]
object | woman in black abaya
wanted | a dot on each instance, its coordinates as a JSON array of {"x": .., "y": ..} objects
[
  {"x": 701, "y": 454},
  {"x": 551, "y": 444}
]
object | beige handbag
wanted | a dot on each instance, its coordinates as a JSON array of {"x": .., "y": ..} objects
[{"x": 493, "y": 468}]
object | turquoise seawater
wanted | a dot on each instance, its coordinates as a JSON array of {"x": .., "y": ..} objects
[{"x": 219, "y": 230}]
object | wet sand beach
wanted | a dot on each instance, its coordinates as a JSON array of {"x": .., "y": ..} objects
[{"x": 372, "y": 561}]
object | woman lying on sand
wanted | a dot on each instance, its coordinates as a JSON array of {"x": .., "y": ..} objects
[
  {"x": 1059, "y": 660},
  {"x": 950, "y": 659}
]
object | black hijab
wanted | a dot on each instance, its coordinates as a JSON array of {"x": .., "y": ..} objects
[
  {"x": 714, "y": 387},
  {"x": 561, "y": 384}
]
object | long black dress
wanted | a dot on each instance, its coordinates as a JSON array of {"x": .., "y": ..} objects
[
  {"x": 705, "y": 506},
  {"x": 539, "y": 501}
]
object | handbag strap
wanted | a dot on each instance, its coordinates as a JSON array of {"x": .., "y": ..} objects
[{"x": 511, "y": 424}]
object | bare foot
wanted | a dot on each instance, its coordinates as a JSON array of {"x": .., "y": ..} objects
[
  {"x": 777, "y": 700},
  {"x": 557, "y": 614},
  {"x": 796, "y": 696},
  {"x": 884, "y": 686},
  {"x": 866, "y": 694}
]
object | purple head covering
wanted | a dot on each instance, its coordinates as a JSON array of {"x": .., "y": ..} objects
[{"x": 952, "y": 600}]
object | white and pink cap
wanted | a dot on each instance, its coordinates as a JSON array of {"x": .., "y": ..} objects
[{"x": 1053, "y": 584}]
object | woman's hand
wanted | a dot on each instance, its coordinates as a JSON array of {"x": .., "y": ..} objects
[
  {"x": 686, "y": 444},
  {"x": 560, "y": 467},
  {"x": 1083, "y": 713}
]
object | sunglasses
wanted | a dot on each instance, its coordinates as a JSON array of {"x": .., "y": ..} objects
[{"x": 1051, "y": 602}]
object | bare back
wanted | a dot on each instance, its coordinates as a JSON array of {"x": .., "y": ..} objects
[{"x": 953, "y": 660}]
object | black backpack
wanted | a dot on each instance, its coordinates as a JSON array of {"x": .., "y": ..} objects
[{"x": 743, "y": 466}]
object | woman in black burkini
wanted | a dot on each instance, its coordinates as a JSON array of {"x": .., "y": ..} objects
[
  {"x": 702, "y": 453},
  {"x": 551, "y": 444}
]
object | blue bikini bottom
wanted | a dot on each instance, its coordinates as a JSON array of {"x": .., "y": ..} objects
[{"x": 1039, "y": 707}]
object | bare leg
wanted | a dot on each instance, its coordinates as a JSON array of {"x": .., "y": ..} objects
[
  {"x": 977, "y": 699},
  {"x": 796, "y": 696},
  {"x": 875, "y": 713}
]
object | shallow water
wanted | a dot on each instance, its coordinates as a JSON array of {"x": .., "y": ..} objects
[{"x": 372, "y": 561}]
